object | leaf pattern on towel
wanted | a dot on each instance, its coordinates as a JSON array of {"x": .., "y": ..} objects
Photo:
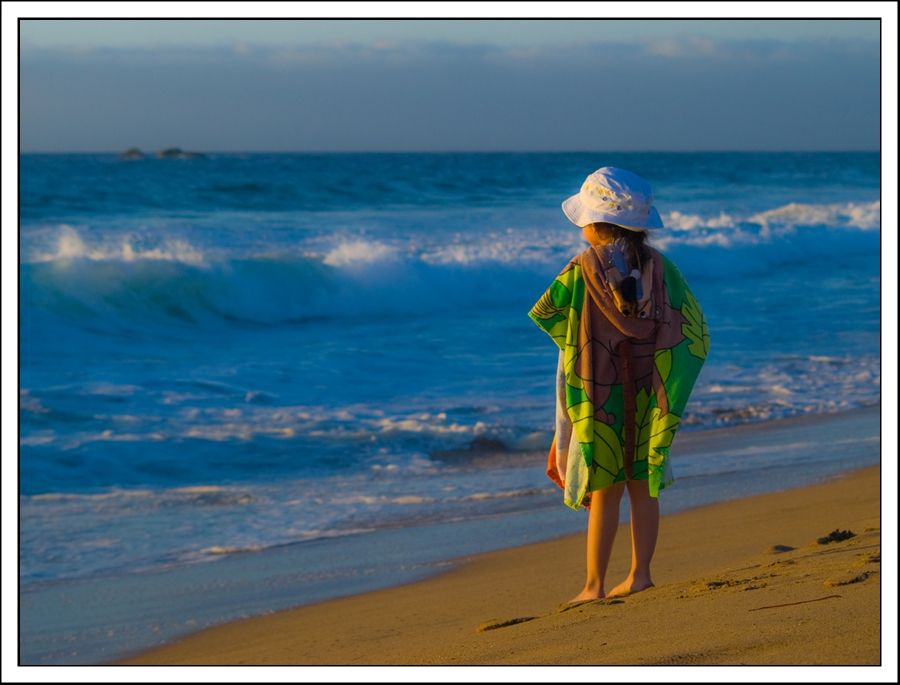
[
  {"x": 608, "y": 449},
  {"x": 695, "y": 327},
  {"x": 575, "y": 312},
  {"x": 549, "y": 311},
  {"x": 659, "y": 434},
  {"x": 663, "y": 360}
]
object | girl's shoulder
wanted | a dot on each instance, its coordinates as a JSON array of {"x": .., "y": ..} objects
[{"x": 668, "y": 263}]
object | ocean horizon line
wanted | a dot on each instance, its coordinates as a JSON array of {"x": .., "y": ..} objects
[{"x": 444, "y": 152}]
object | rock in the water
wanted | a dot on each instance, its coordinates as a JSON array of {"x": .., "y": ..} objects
[
  {"x": 177, "y": 153},
  {"x": 132, "y": 153}
]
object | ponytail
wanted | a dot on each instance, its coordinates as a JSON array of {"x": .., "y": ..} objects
[{"x": 634, "y": 243}]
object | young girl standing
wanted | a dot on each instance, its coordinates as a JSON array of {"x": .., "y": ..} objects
[{"x": 632, "y": 339}]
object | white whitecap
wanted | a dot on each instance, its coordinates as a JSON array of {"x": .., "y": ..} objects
[{"x": 358, "y": 252}]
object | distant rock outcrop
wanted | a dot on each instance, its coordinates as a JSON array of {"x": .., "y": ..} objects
[
  {"x": 132, "y": 153},
  {"x": 178, "y": 153}
]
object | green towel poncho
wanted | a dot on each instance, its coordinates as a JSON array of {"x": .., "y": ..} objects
[{"x": 624, "y": 380}]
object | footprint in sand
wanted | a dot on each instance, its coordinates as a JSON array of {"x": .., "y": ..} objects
[
  {"x": 856, "y": 575},
  {"x": 780, "y": 549},
  {"x": 495, "y": 623},
  {"x": 848, "y": 578},
  {"x": 866, "y": 559},
  {"x": 588, "y": 602},
  {"x": 754, "y": 583},
  {"x": 783, "y": 562},
  {"x": 706, "y": 585}
]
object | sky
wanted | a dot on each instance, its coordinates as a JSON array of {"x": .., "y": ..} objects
[{"x": 446, "y": 85}]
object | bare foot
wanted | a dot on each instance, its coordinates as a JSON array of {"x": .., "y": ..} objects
[
  {"x": 629, "y": 586},
  {"x": 586, "y": 596}
]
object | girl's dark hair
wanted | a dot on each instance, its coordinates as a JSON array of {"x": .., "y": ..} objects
[{"x": 634, "y": 243}]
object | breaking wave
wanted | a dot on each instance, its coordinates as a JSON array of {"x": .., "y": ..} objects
[{"x": 112, "y": 279}]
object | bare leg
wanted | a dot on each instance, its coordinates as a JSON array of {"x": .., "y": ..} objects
[
  {"x": 603, "y": 521},
  {"x": 644, "y": 531}
]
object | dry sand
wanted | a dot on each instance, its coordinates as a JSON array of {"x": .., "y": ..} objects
[{"x": 739, "y": 582}]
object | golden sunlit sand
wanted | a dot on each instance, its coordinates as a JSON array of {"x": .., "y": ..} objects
[{"x": 739, "y": 582}]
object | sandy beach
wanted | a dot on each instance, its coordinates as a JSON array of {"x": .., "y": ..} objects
[
  {"x": 314, "y": 317},
  {"x": 745, "y": 581}
]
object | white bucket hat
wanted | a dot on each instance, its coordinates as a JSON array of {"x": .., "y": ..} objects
[{"x": 614, "y": 196}]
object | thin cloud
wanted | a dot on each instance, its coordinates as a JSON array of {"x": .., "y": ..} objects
[
  {"x": 425, "y": 53},
  {"x": 685, "y": 47},
  {"x": 420, "y": 95}
]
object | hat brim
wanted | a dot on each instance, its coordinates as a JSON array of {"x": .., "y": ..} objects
[{"x": 581, "y": 216}]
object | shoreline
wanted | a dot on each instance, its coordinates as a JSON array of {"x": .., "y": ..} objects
[
  {"x": 692, "y": 442},
  {"x": 136, "y": 613},
  {"x": 771, "y": 594}
]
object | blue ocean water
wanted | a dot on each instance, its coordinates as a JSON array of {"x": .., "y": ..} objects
[{"x": 241, "y": 351}]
